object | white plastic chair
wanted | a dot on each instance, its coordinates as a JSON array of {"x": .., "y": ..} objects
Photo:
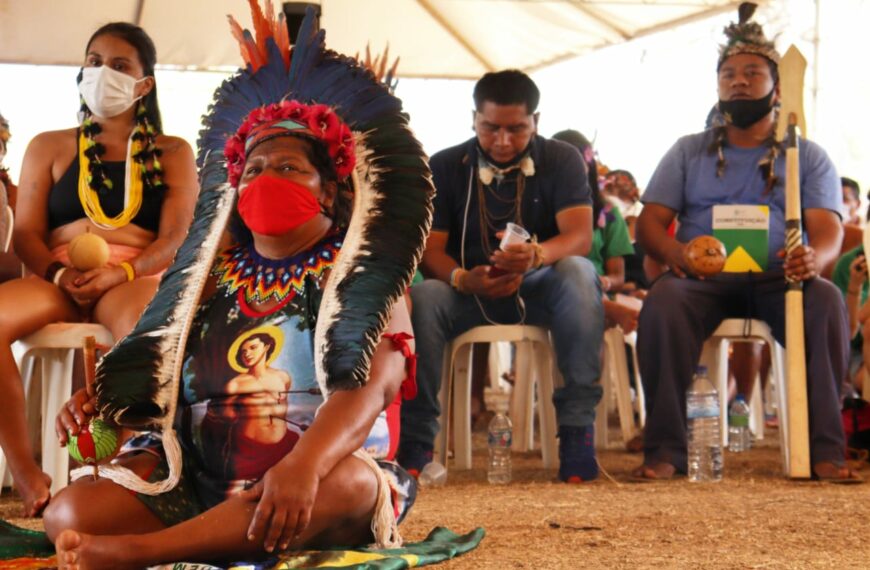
[
  {"x": 640, "y": 399},
  {"x": 7, "y": 225},
  {"x": 615, "y": 381},
  {"x": 715, "y": 357},
  {"x": 49, "y": 354},
  {"x": 535, "y": 366}
]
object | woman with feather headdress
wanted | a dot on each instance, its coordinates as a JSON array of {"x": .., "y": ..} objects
[{"x": 327, "y": 286}]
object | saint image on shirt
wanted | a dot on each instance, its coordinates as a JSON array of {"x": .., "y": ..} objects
[{"x": 261, "y": 389}]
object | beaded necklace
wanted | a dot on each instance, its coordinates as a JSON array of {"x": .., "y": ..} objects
[
  {"x": 489, "y": 174},
  {"x": 256, "y": 279},
  {"x": 94, "y": 183}
]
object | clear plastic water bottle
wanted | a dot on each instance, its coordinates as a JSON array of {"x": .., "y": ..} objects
[
  {"x": 739, "y": 437},
  {"x": 705, "y": 439},
  {"x": 500, "y": 438}
]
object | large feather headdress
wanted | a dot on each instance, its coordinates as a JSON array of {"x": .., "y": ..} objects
[{"x": 138, "y": 381}]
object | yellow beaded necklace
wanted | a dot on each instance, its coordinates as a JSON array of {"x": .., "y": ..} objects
[{"x": 133, "y": 179}]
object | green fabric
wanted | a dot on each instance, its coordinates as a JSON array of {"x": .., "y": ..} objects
[
  {"x": 180, "y": 503},
  {"x": 418, "y": 277},
  {"x": 18, "y": 545},
  {"x": 18, "y": 542},
  {"x": 612, "y": 240},
  {"x": 841, "y": 277}
]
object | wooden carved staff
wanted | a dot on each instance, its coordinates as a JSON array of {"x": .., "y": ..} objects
[
  {"x": 89, "y": 355},
  {"x": 789, "y": 127}
]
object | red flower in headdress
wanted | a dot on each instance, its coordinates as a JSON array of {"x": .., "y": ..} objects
[{"x": 324, "y": 123}]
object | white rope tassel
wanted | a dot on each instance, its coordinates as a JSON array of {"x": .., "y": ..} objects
[
  {"x": 384, "y": 526},
  {"x": 130, "y": 480}
]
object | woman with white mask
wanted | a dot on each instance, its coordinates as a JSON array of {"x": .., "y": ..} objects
[{"x": 117, "y": 177}]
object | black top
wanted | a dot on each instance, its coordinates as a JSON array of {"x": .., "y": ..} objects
[
  {"x": 559, "y": 183},
  {"x": 64, "y": 206}
]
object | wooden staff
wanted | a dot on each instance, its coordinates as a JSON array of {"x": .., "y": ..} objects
[
  {"x": 790, "y": 125},
  {"x": 89, "y": 351}
]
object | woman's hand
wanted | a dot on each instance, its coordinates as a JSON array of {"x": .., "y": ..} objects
[
  {"x": 74, "y": 415},
  {"x": 68, "y": 280},
  {"x": 285, "y": 498},
  {"x": 88, "y": 287}
]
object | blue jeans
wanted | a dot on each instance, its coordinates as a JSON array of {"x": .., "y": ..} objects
[{"x": 565, "y": 298}]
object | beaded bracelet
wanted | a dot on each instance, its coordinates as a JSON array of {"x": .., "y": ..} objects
[
  {"x": 52, "y": 270},
  {"x": 58, "y": 275},
  {"x": 128, "y": 269},
  {"x": 539, "y": 253},
  {"x": 456, "y": 278}
]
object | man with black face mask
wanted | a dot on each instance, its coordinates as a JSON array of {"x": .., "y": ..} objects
[
  {"x": 509, "y": 174},
  {"x": 739, "y": 163}
]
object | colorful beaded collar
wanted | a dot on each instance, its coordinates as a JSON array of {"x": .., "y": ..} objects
[{"x": 257, "y": 279}]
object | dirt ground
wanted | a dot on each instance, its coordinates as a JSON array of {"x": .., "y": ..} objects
[{"x": 754, "y": 518}]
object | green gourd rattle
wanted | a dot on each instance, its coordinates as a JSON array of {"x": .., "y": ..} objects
[{"x": 97, "y": 440}]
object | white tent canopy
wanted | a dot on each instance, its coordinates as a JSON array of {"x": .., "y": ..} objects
[{"x": 433, "y": 38}]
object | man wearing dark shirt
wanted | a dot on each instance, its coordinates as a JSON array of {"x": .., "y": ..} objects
[{"x": 507, "y": 173}]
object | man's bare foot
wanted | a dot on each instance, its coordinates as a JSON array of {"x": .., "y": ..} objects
[
  {"x": 35, "y": 492},
  {"x": 79, "y": 551},
  {"x": 828, "y": 471},
  {"x": 657, "y": 472}
]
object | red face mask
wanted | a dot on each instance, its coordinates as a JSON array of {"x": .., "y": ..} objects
[{"x": 273, "y": 206}]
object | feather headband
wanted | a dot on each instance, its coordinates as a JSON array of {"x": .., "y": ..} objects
[
  {"x": 288, "y": 118},
  {"x": 747, "y": 37}
]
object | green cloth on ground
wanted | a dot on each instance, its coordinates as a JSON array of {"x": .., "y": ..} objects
[
  {"x": 610, "y": 238},
  {"x": 17, "y": 544}
]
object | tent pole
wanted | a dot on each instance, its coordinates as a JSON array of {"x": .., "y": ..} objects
[
  {"x": 140, "y": 6},
  {"x": 816, "y": 42}
]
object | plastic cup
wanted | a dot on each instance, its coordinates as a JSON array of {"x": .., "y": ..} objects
[
  {"x": 433, "y": 475},
  {"x": 513, "y": 234}
]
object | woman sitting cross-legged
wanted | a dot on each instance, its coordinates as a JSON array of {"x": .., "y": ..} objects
[{"x": 296, "y": 351}]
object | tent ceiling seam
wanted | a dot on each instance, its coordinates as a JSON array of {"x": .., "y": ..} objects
[
  {"x": 426, "y": 5},
  {"x": 584, "y": 8},
  {"x": 697, "y": 16}
]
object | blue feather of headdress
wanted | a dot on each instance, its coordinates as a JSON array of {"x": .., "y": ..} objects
[{"x": 132, "y": 377}]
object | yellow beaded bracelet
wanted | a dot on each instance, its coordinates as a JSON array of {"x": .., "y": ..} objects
[
  {"x": 128, "y": 269},
  {"x": 456, "y": 278},
  {"x": 538, "y": 260}
]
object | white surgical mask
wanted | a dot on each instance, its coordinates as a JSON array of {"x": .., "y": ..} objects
[{"x": 107, "y": 92}]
